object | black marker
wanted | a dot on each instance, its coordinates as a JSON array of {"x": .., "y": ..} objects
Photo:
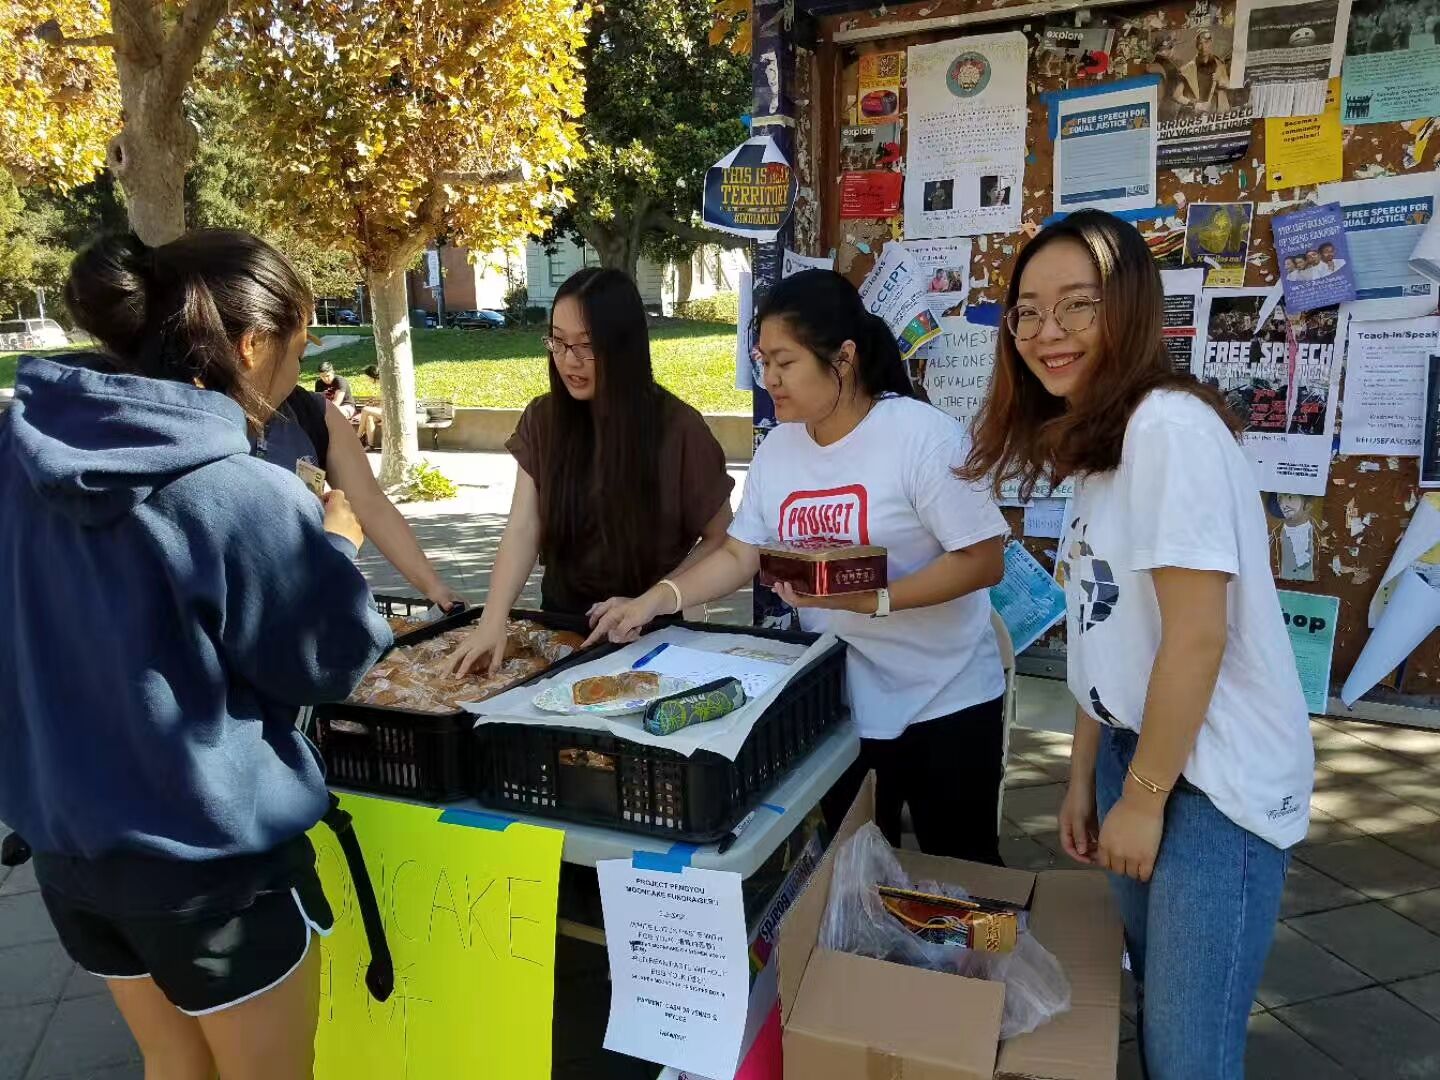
[{"x": 728, "y": 840}]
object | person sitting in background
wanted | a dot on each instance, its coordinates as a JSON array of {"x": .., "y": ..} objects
[
  {"x": 367, "y": 418},
  {"x": 336, "y": 389}
]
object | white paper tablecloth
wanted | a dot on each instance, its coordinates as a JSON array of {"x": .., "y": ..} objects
[{"x": 724, "y": 736}]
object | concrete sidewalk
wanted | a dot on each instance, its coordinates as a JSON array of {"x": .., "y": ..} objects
[
  {"x": 462, "y": 535},
  {"x": 1353, "y": 985}
]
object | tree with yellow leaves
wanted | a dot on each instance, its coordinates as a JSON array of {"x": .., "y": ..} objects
[
  {"x": 388, "y": 120},
  {"x": 95, "y": 82},
  {"x": 59, "y": 107}
]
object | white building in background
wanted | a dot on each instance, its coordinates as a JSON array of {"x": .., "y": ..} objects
[{"x": 483, "y": 283}]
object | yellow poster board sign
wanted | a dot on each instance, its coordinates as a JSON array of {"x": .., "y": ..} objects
[
  {"x": 470, "y": 917},
  {"x": 1304, "y": 150}
]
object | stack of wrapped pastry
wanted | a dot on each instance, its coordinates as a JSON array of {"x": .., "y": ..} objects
[{"x": 416, "y": 677}]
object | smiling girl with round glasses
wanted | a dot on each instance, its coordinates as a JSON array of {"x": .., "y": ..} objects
[{"x": 1191, "y": 768}]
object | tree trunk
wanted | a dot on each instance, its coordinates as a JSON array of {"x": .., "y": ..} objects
[
  {"x": 390, "y": 312},
  {"x": 617, "y": 247},
  {"x": 150, "y": 155}
]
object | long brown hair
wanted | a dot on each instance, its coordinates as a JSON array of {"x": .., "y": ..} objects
[{"x": 1023, "y": 432}]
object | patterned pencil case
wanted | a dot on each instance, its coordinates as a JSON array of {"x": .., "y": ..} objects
[{"x": 665, "y": 716}]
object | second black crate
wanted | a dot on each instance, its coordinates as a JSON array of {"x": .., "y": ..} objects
[{"x": 600, "y": 779}]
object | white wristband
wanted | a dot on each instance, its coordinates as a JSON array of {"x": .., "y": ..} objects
[
  {"x": 679, "y": 600},
  {"x": 882, "y": 604}
]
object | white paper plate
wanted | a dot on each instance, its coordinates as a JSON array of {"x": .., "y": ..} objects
[{"x": 558, "y": 698}]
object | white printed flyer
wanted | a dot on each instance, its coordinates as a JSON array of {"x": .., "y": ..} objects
[
  {"x": 967, "y": 136},
  {"x": 1384, "y": 402},
  {"x": 679, "y": 965},
  {"x": 1384, "y": 221},
  {"x": 1105, "y": 147}
]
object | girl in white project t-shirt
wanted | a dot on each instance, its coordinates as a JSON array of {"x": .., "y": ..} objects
[
  {"x": 1192, "y": 763},
  {"x": 857, "y": 458}
]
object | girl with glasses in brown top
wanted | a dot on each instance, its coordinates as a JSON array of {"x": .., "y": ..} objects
[{"x": 618, "y": 482}]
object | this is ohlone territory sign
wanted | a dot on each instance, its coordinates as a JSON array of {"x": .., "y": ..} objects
[{"x": 750, "y": 191}]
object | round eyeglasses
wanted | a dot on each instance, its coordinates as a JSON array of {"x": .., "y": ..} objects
[{"x": 1072, "y": 314}]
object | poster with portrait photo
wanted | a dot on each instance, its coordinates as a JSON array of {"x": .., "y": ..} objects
[
  {"x": 967, "y": 108},
  {"x": 1314, "y": 258},
  {"x": 939, "y": 195},
  {"x": 1203, "y": 121},
  {"x": 945, "y": 267},
  {"x": 996, "y": 190},
  {"x": 1294, "y": 523},
  {"x": 1392, "y": 62}
]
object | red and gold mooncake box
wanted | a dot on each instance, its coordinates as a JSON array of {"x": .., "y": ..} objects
[{"x": 825, "y": 567}]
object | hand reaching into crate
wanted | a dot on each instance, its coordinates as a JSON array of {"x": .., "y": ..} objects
[{"x": 485, "y": 643}]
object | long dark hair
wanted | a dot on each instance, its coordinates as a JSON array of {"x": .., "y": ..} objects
[
  {"x": 823, "y": 310},
  {"x": 178, "y": 311},
  {"x": 1024, "y": 433},
  {"x": 602, "y": 462}
]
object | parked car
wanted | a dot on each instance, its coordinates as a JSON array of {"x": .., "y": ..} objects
[
  {"x": 346, "y": 317},
  {"x": 20, "y": 334},
  {"x": 477, "y": 320}
]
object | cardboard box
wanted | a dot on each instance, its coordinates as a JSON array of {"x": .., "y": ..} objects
[{"x": 854, "y": 1018}]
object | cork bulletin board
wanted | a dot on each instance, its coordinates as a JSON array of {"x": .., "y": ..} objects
[{"x": 1369, "y": 500}]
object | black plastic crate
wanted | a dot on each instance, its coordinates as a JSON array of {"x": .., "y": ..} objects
[
  {"x": 397, "y": 751},
  {"x": 596, "y": 778},
  {"x": 405, "y": 606},
  {"x": 408, "y": 607}
]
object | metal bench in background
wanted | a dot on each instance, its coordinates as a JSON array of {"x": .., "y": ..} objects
[
  {"x": 432, "y": 414},
  {"x": 435, "y": 415}
]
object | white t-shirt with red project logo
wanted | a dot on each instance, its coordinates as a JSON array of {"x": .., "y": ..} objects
[{"x": 890, "y": 482}]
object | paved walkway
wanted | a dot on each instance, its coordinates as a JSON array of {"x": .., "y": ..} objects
[
  {"x": 462, "y": 535},
  {"x": 1353, "y": 986}
]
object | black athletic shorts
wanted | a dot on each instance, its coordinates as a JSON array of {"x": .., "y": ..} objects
[{"x": 211, "y": 935}]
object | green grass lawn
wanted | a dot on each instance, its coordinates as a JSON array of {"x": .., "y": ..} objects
[
  {"x": 10, "y": 361},
  {"x": 504, "y": 369}
]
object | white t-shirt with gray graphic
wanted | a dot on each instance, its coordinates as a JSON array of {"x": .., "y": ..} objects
[{"x": 1185, "y": 496}]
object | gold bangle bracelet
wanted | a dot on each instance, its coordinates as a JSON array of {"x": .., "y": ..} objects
[{"x": 1148, "y": 785}]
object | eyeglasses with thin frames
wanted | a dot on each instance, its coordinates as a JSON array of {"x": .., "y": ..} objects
[
  {"x": 1073, "y": 314},
  {"x": 557, "y": 348}
]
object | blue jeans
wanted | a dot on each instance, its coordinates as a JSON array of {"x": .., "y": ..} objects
[{"x": 1199, "y": 931}]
